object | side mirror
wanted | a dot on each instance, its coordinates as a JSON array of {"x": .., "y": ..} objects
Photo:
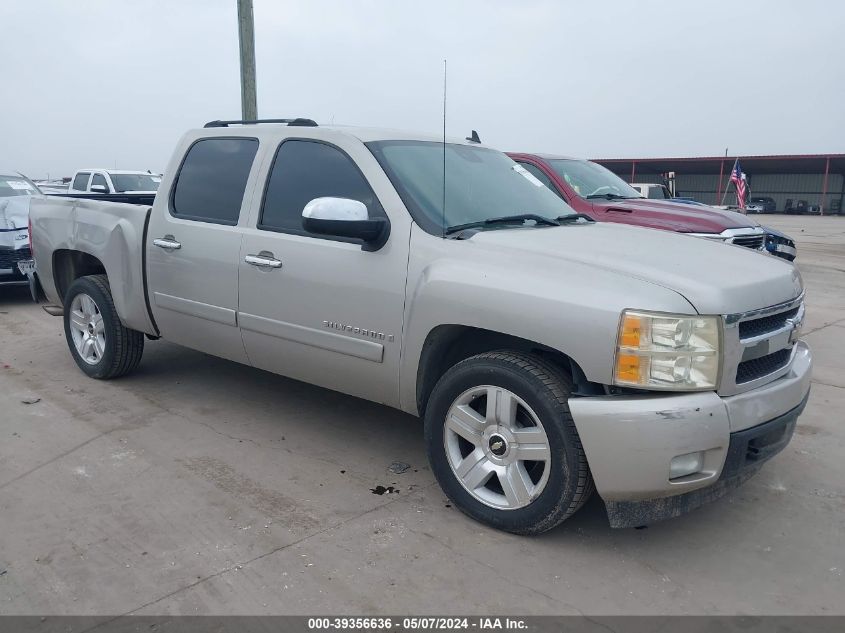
[
  {"x": 99, "y": 189},
  {"x": 342, "y": 217}
]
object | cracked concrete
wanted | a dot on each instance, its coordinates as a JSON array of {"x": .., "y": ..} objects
[{"x": 197, "y": 486}]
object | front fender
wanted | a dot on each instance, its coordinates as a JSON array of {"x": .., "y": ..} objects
[{"x": 570, "y": 308}]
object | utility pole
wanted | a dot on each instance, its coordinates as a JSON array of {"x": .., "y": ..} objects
[{"x": 246, "y": 39}]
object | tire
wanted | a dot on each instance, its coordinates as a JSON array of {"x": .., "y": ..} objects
[
  {"x": 534, "y": 485},
  {"x": 100, "y": 344}
]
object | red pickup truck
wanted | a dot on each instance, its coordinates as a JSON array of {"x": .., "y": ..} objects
[{"x": 597, "y": 192}]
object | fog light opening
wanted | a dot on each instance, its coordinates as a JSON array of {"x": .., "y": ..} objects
[{"x": 685, "y": 465}]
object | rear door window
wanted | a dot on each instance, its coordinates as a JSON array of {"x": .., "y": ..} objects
[
  {"x": 212, "y": 180},
  {"x": 80, "y": 181},
  {"x": 99, "y": 179}
]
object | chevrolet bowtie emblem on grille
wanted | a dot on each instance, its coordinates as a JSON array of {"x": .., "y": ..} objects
[{"x": 795, "y": 333}]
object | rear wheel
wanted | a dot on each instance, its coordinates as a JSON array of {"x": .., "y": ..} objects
[
  {"x": 502, "y": 443},
  {"x": 99, "y": 343}
]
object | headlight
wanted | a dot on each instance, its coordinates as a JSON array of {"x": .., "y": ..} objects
[{"x": 667, "y": 352}]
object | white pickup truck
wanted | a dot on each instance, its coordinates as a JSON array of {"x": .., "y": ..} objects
[
  {"x": 106, "y": 181},
  {"x": 547, "y": 354}
]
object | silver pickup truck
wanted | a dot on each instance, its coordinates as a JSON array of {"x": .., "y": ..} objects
[{"x": 547, "y": 354}]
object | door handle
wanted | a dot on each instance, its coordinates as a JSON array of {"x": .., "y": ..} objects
[
  {"x": 168, "y": 242},
  {"x": 263, "y": 260}
]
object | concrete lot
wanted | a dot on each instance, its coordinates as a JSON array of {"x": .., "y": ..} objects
[{"x": 200, "y": 486}]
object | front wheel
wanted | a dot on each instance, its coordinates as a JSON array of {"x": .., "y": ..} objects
[
  {"x": 99, "y": 343},
  {"x": 502, "y": 443}
]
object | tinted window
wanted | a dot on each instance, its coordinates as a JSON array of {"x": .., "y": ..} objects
[
  {"x": 304, "y": 170},
  {"x": 211, "y": 183},
  {"x": 80, "y": 181},
  {"x": 539, "y": 175},
  {"x": 99, "y": 179}
]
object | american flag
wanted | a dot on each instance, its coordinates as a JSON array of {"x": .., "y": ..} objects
[{"x": 738, "y": 179}]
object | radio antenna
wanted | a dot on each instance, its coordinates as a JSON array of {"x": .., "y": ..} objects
[{"x": 443, "y": 207}]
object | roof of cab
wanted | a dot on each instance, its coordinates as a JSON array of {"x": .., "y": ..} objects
[
  {"x": 363, "y": 134},
  {"x": 116, "y": 171}
]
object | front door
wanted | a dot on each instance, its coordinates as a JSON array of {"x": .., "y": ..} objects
[
  {"x": 193, "y": 247},
  {"x": 318, "y": 309}
]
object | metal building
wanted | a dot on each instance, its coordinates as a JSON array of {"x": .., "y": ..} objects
[{"x": 815, "y": 182}]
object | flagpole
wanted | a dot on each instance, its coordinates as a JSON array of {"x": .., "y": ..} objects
[{"x": 725, "y": 194}]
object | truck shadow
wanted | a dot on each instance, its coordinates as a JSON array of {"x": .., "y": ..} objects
[{"x": 260, "y": 407}]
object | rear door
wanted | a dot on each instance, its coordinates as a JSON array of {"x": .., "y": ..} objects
[
  {"x": 326, "y": 312},
  {"x": 194, "y": 242},
  {"x": 80, "y": 182}
]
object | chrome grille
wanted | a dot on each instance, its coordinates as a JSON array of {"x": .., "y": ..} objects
[
  {"x": 750, "y": 241},
  {"x": 758, "y": 367},
  {"x": 764, "y": 325},
  {"x": 759, "y": 345}
]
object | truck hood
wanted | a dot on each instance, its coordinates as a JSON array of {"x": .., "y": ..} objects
[
  {"x": 715, "y": 278},
  {"x": 670, "y": 216},
  {"x": 14, "y": 222}
]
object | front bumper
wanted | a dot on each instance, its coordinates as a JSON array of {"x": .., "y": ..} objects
[
  {"x": 9, "y": 259},
  {"x": 780, "y": 247},
  {"x": 630, "y": 441}
]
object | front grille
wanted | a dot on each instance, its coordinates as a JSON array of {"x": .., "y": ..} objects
[
  {"x": 10, "y": 258},
  {"x": 750, "y": 241},
  {"x": 764, "y": 325},
  {"x": 763, "y": 366}
]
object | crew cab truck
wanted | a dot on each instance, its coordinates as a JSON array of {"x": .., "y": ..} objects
[{"x": 548, "y": 355}]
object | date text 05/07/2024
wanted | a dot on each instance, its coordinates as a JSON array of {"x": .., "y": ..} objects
[{"x": 429, "y": 623}]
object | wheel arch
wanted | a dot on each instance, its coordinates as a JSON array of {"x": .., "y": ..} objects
[
  {"x": 447, "y": 345},
  {"x": 69, "y": 265}
]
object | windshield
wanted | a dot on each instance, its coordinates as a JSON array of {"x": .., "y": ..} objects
[
  {"x": 16, "y": 185},
  {"x": 592, "y": 180},
  {"x": 135, "y": 182},
  {"x": 481, "y": 184}
]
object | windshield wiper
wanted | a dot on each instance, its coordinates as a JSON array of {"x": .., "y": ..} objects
[
  {"x": 608, "y": 196},
  {"x": 520, "y": 218},
  {"x": 574, "y": 218}
]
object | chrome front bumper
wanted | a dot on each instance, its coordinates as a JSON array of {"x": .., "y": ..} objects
[{"x": 631, "y": 440}]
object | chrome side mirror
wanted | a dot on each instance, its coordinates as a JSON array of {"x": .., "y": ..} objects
[{"x": 342, "y": 217}]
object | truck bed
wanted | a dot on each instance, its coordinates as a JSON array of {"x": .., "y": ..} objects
[{"x": 98, "y": 236}]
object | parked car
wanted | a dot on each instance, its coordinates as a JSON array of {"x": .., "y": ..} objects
[
  {"x": 548, "y": 354},
  {"x": 113, "y": 181},
  {"x": 599, "y": 193},
  {"x": 777, "y": 243},
  {"x": 761, "y": 204},
  {"x": 652, "y": 190},
  {"x": 16, "y": 192}
]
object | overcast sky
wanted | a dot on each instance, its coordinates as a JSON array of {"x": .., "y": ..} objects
[{"x": 116, "y": 82}]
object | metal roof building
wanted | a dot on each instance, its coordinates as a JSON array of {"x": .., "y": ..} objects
[{"x": 811, "y": 181}]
